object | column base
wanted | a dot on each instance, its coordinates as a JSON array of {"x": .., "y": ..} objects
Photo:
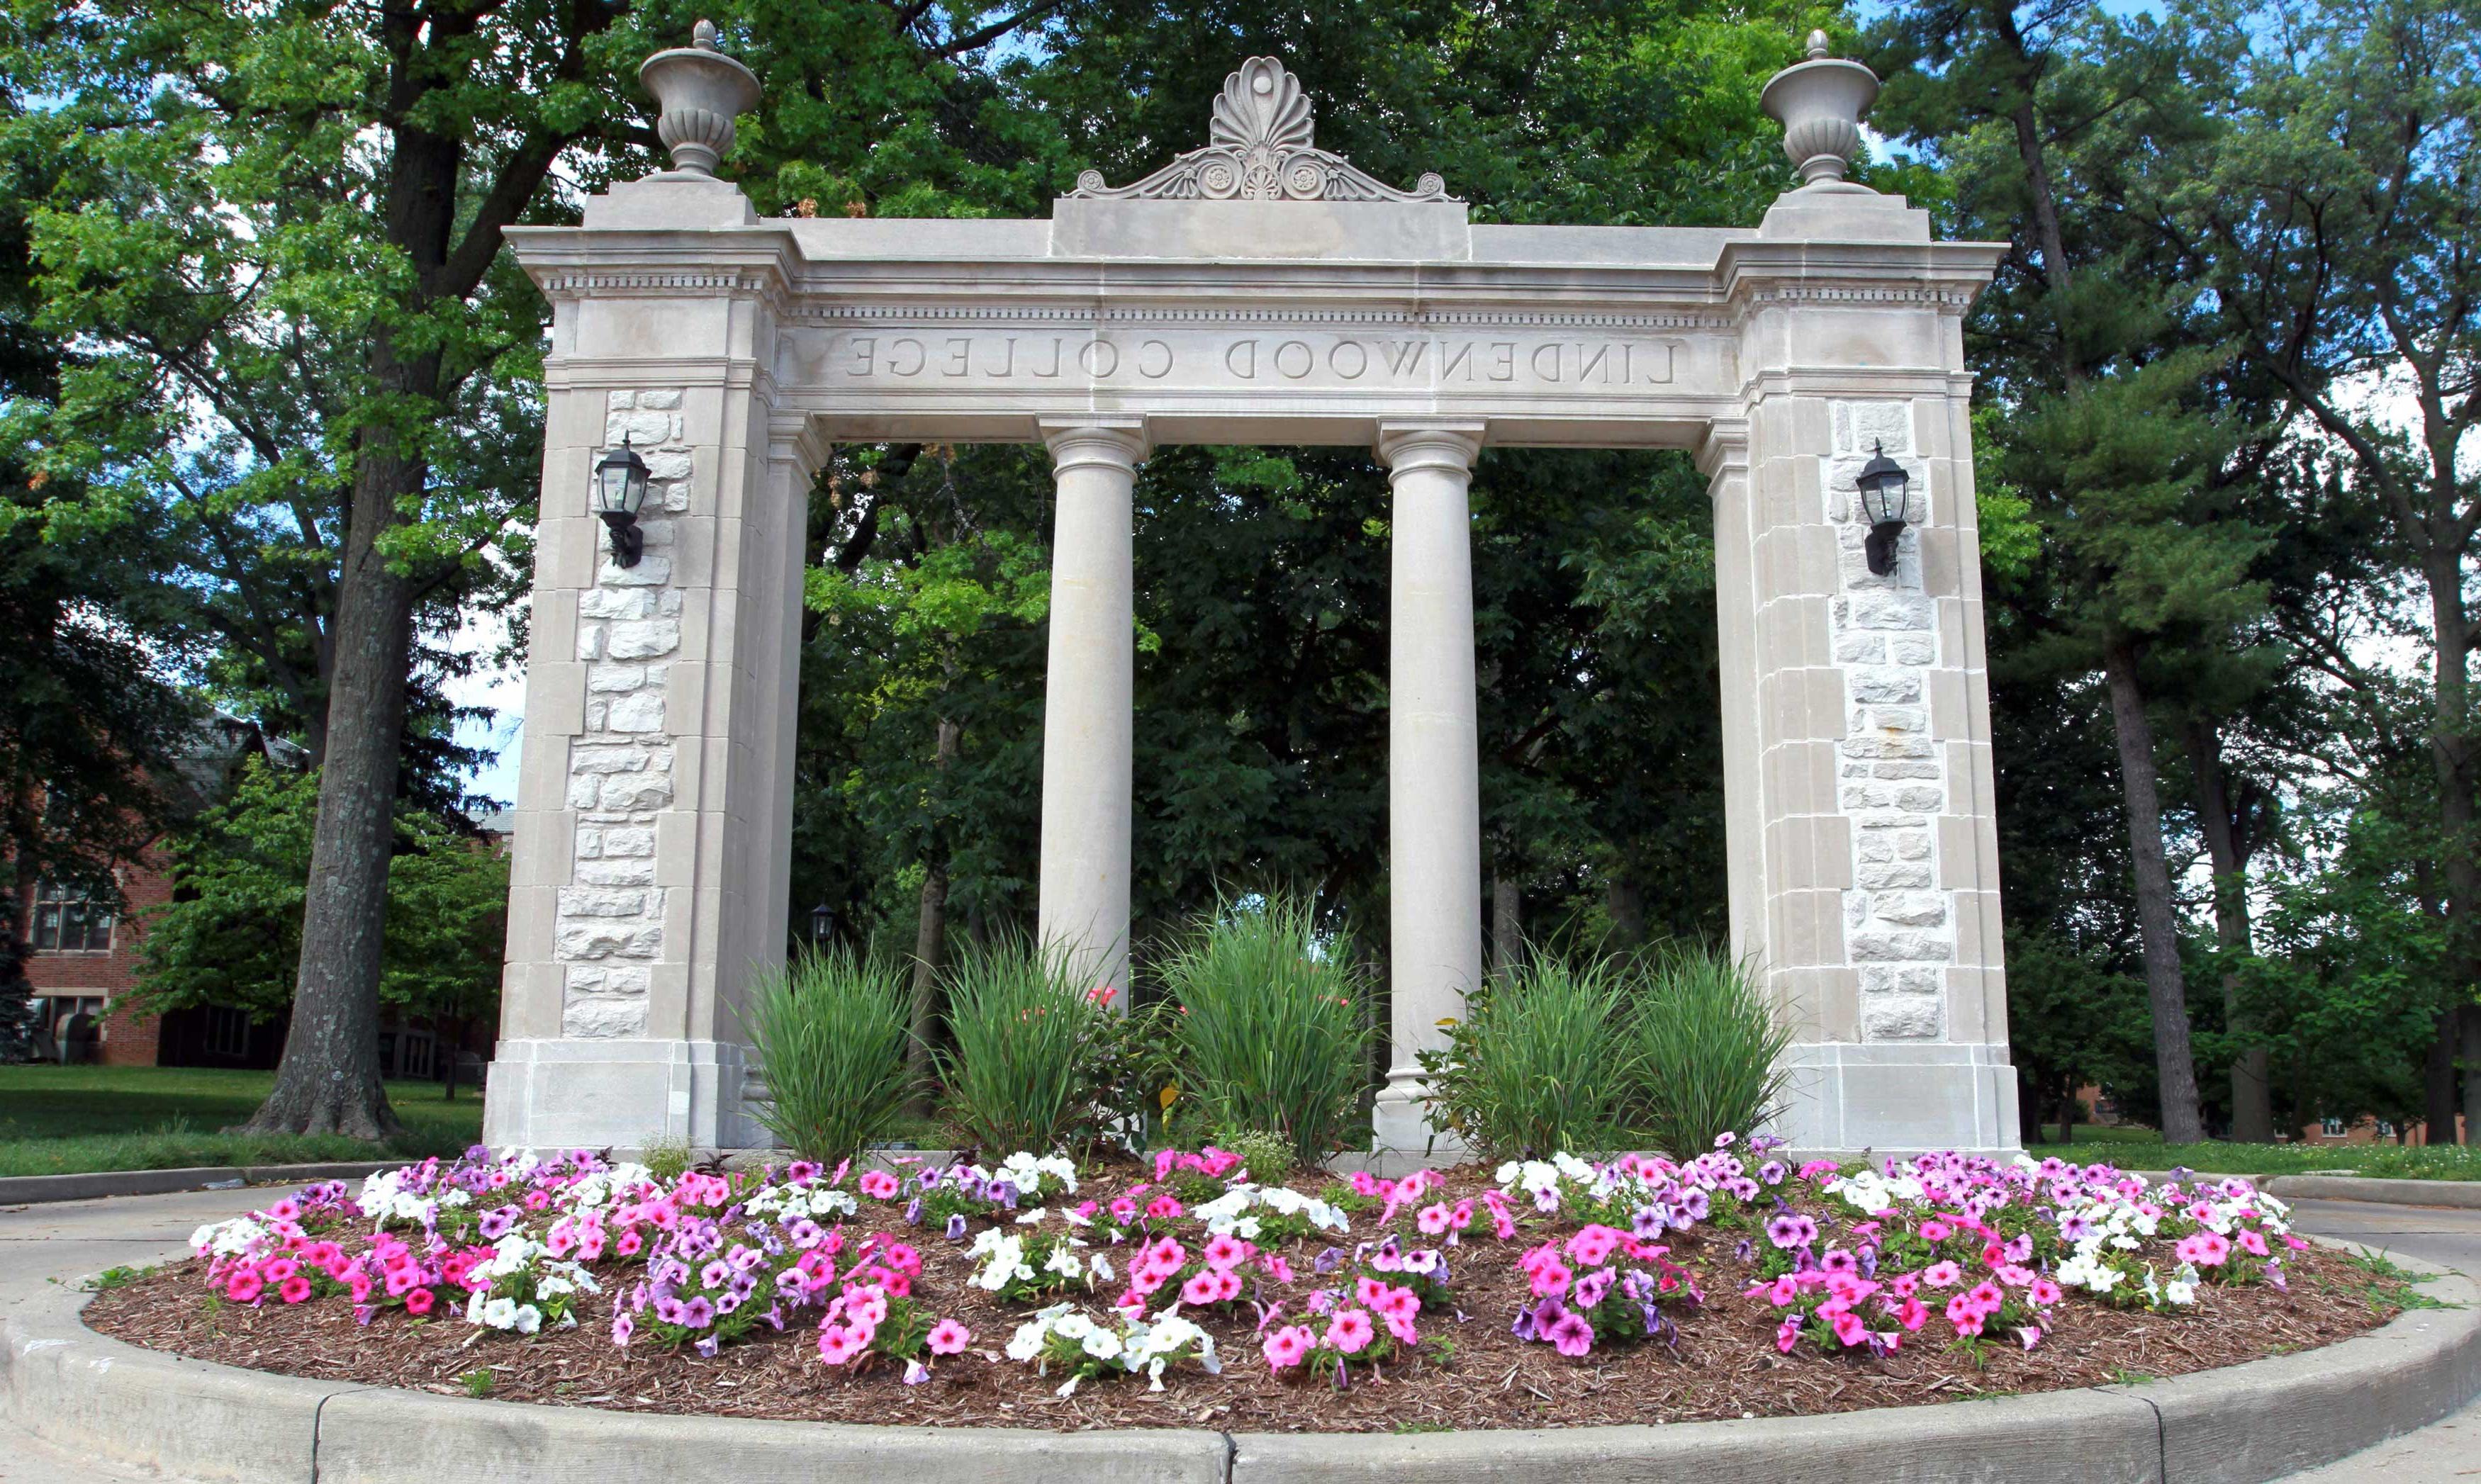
[
  {"x": 1403, "y": 1139},
  {"x": 1897, "y": 1099},
  {"x": 626, "y": 1095}
]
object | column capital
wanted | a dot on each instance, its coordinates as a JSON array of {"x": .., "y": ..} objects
[
  {"x": 1077, "y": 443},
  {"x": 1403, "y": 446}
]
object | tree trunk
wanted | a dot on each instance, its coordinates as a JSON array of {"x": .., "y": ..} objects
[
  {"x": 2472, "y": 1074},
  {"x": 2174, "y": 1064},
  {"x": 1507, "y": 923},
  {"x": 2228, "y": 841},
  {"x": 931, "y": 941},
  {"x": 2068, "y": 1113},
  {"x": 2450, "y": 753},
  {"x": 1626, "y": 905},
  {"x": 329, "y": 1081}
]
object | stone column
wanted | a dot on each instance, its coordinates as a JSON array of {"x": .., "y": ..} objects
[
  {"x": 1088, "y": 725},
  {"x": 1862, "y": 841},
  {"x": 651, "y": 850},
  {"x": 1433, "y": 769}
]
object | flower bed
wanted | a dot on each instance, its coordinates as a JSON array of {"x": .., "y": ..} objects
[{"x": 1178, "y": 1292}]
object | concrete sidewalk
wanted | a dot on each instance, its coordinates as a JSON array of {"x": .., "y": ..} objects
[{"x": 68, "y": 1240}]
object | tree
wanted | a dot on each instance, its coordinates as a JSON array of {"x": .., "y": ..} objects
[
  {"x": 2335, "y": 222},
  {"x": 281, "y": 229},
  {"x": 232, "y": 934},
  {"x": 90, "y": 718}
]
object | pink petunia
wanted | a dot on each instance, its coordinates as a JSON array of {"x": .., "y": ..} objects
[
  {"x": 1351, "y": 1332},
  {"x": 1199, "y": 1290},
  {"x": 949, "y": 1338},
  {"x": 1941, "y": 1275},
  {"x": 879, "y": 1185},
  {"x": 1286, "y": 1348}
]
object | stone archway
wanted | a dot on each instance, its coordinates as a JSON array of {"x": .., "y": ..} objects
[{"x": 1255, "y": 291}]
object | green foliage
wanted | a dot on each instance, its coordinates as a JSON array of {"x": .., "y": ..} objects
[
  {"x": 1272, "y": 1026},
  {"x": 233, "y": 936},
  {"x": 1023, "y": 1075},
  {"x": 829, "y": 1029},
  {"x": 1707, "y": 1045},
  {"x": 670, "y": 1158},
  {"x": 1542, "y": 1061},
  {"x": 1269, "y": 1157}
]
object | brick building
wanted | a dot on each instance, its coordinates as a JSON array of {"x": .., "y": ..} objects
[{"x": 85, "y": 954}]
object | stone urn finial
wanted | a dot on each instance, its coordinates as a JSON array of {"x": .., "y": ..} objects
[
  {"x": 699, "y": 90},
  {"x": 1820, "y": 103}
]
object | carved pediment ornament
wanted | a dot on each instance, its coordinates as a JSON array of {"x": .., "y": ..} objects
[{"x": 1259, "y": 149}]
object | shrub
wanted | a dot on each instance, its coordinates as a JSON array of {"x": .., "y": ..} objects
[
  {"x": 1705, "y": 1041},
  {"x": 1540, "y": 1063},
  {"x": 830, "y": 1030},
  {"x": 1026, "y": 1070},
  {"x": 1272, "y": 1033}
]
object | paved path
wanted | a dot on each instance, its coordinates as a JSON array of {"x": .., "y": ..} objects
[{"x": 65, "y": 1242}]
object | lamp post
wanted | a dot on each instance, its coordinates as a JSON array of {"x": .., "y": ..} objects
[
  {"x": 1885, "y": 500},
  {"x": 822, "y": 925},
  {"x": 619, "y": 489}
]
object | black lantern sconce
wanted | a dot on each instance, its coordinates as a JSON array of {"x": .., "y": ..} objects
[
  {"x": 1886, "y": 501},
  {"x": 822, "y": 925},
  {"x": 619, "y": 489}
]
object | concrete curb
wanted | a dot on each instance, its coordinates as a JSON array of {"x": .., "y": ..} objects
[
  {"x": 211, "y": 1424},
  {"x": 2462, "y": 1194},
  {"x": 36, "y": 1189},
  {"x": 2459, "y": 1194}
]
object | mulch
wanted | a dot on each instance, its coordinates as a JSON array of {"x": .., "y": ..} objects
[{"x": 1724, "y": 1365}]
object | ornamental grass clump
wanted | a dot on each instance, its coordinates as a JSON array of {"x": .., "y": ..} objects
[
  {"x": 1270, "y": 1033},
  {"x": 1706, "y": 1043},
  {"x": 1021, "y": 1073},
  {"x": 1542, "y": 1061},
  {"x": 830, "y": 1031}
]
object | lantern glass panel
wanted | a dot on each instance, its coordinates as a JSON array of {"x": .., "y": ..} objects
[{"x": 620, "y": 481}]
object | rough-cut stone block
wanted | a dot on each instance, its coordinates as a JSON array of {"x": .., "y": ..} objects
[
  {"x": 628, "y": 840},
  {"x": 668, "y": 464},
  {"x": 1882, "y": 945},
  {"x": 596, "y": 902},
  {"x": 627, "y": 872},
  {"x": 1865, "y": 648},
  {"x": 1912, "y": 648},
  {"x": 1897, "y": 876},
  {"x": 611, "y": 678},
  {"x": 1909, "y": 909},
  {"x": 603, "y": 1019},
  {"x": 668, "y": 401},
  {"x": 594, "y": 938},
  {"x": 651, "y": 571},
  {"x": 636, "y": 792},
  {"x": 639, "y": 711},
  {"x": 589, "y": 641},
  {"x": 615, "y": 603},
  {"x": 643, "y": 639},
  {"x": 642, "y": 429},
  {"x": 1881, "y": 685},
  {"x": 607, "y": 759},
  {"x": 1901, "y": 1018},
  {"x": 620, "y": 402}
]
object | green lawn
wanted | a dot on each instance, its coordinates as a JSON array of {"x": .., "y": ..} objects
[
  {"x": 2143, "y": 1149},
  {"x": 66, "y": 1120}
]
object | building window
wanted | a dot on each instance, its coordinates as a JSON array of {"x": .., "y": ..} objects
[
  {"x": 227, "y": 1033},
  {"x": 66, "y": 920},
  {"x": 2333, "y": 1127}
]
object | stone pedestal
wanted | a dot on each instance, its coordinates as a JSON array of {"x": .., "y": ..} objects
[
  {"x": 1860, "y": 839},
  {"x": 653, "y": 819}
]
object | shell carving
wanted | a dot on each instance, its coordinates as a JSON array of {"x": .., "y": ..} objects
[{"x": 1260, "y": 148}]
